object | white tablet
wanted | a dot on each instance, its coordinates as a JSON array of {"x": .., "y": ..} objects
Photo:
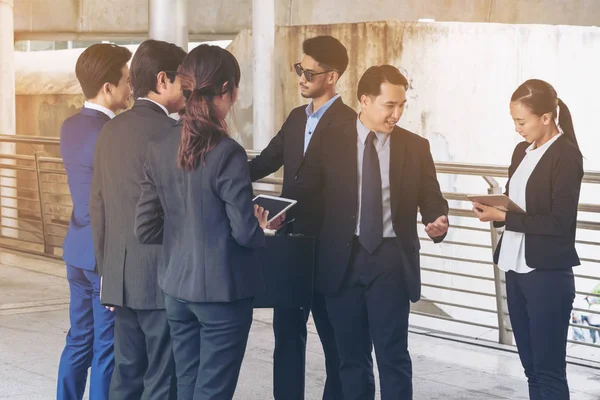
[
  {"x": 275, "y": 205},
  {"x": 499, "y": 201}
]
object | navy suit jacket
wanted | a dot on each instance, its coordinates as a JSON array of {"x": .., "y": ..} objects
[
  {"x": 205, "y": 221},
  {"x": 332, "y": 169},
  {"x": 78, "y": 137},
  {"x": 286, "y": 150}
]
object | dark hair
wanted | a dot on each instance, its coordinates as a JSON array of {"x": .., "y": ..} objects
[
  {"x": 209, "y": 68},
  {"x": 541, "y": 98},
  {"x": 327, "y": 51},
  {"x": 370, "y": 82},
  {"x": 152, "y": 57},
  {"x": 99, "y": 64}
]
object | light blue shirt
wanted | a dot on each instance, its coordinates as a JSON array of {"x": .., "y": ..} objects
[{"x": 313, "y": 119}]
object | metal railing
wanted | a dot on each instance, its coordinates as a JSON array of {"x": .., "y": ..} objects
[{"x": 463, "y": 294}]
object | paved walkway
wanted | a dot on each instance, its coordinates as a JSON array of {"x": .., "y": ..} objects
[{"x": 34, "y": 321}]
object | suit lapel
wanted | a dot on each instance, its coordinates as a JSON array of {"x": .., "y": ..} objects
[
  {"x": 296, "y": 142},
  {"x": 326, "y": 119},
  {"x": 348, "y": 164},
  {"x": 324, "y": 122},
  {"x": 397, "y": 163}
]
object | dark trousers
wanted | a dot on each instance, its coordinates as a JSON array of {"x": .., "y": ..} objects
[
  {"x": 209, "y": 342},
  {"x": 289, "y": 357},
  {"x": 144, "y": 365},
  {"x": 372, "y": 308},
  {"x": 540, "y": 305},
  {"x": 89, "y": 341}
]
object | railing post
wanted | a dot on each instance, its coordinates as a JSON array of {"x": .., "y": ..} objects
[
  {"x": 504, "y": 334},
  {"x": 38, "y": 175}
]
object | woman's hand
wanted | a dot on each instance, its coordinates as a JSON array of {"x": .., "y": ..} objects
[
  {"x": 487, "y": 213},
  {"x": 277, "y": 222},
  {"x": 261, "y": 215}
]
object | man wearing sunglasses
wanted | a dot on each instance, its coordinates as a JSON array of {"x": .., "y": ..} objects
[
  {"x": 144, "y": 364},
  {"x": 325, "y": 60}
]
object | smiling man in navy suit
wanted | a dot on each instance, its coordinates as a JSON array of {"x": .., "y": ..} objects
[{"x": 103, "y": 74}]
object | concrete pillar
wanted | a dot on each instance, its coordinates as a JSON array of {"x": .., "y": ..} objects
[
  {"x": 263, "y": 37},
  {"x": 7, "y": 118},
  {"x": 168, "y": 21}
]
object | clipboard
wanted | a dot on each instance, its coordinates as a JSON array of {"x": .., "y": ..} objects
[
  {"x": 499, "y": 201},
  {"x": 275, "y": 205}
]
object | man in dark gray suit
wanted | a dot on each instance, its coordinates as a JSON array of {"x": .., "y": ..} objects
[{"x": 144, "y": 366}]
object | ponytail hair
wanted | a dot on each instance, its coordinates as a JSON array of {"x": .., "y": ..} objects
[
  {"x": 541, "y": 98},
  {"x": 566, "y": 122},
  {"x": 209, "y": 72}
]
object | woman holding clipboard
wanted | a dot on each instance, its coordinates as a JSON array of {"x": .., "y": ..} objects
[{"x": 537, "y": 249}]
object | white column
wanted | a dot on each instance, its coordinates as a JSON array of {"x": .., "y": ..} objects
[
  {"x": 263, "y": 83},
  {"x": 7, "y": 116},
  {"x": 168, "y": 21}
]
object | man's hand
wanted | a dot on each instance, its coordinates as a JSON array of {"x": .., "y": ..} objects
[
  {"x": 277, "y": 223},
  {"x": 438, "y": 227}
]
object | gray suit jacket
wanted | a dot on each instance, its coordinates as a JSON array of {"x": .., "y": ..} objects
[
  {"x": 128, "y": 268},
  {"x": 205, "y": 221}
]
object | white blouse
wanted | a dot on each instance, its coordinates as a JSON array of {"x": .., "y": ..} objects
[{"x": 512, "y": 252}]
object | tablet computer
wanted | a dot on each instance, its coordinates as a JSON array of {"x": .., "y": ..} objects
[
  {"x": 275, "y": 205},
  {"x": 499, "y": 201}
]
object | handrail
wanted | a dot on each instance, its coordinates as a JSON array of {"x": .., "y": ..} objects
[
  {"x": 44, "y": 222},
  {"x": 441, "y": 167}
]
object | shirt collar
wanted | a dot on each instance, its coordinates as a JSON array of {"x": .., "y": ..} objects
[
  {"x": 98, "y": 107},
  {"x": 545, "y": 145},
  {"x": 158, "y": 104},
  {"x": 363, "y": 132},
  {"x": 319, "y": 113}
]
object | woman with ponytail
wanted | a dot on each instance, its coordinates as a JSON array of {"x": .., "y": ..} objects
[
  {"x": 537, "y": 248},
  {"x": 196, "y": 201}
]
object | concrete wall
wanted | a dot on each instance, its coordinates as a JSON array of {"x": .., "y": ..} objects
[
  {"x": 461, "y": 78},
  {"x": 76, "y": 19}
]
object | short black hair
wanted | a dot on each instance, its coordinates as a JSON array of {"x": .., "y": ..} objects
[
  {"x": 370, "y": 82},
  {"x": 152, "y": 57},
  {"x": 328, "y": 51},
  {"x": 99, "y": 64}
]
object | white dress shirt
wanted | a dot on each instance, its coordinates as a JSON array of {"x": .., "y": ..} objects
[
  {"x": 382, "y": 146},
  {"x": 512, "y": 252},
  {"x": 98, "y": 107},
  {"x": 158, "y": 104}
]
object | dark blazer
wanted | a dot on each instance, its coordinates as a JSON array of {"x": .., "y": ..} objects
[
  {"x": 78, "y": 137},
  {"x": 333, "y": 169},
  {"x": 129, "y": 269},
  {"x": 287, "y": 149},
  {"x": 552, "y": 198},
  {"x": 205, "y": 221}
]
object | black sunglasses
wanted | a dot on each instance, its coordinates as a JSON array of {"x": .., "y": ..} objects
[{"x": 308, "y": 75}]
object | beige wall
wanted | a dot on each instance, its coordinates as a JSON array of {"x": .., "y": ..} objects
[{"x": 70, "y": 19}]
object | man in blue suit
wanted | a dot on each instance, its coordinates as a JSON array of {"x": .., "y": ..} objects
[{"x": 103, "y": 74}]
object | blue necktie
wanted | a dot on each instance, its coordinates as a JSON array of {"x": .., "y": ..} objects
[{"x": 371, "y": 214}]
